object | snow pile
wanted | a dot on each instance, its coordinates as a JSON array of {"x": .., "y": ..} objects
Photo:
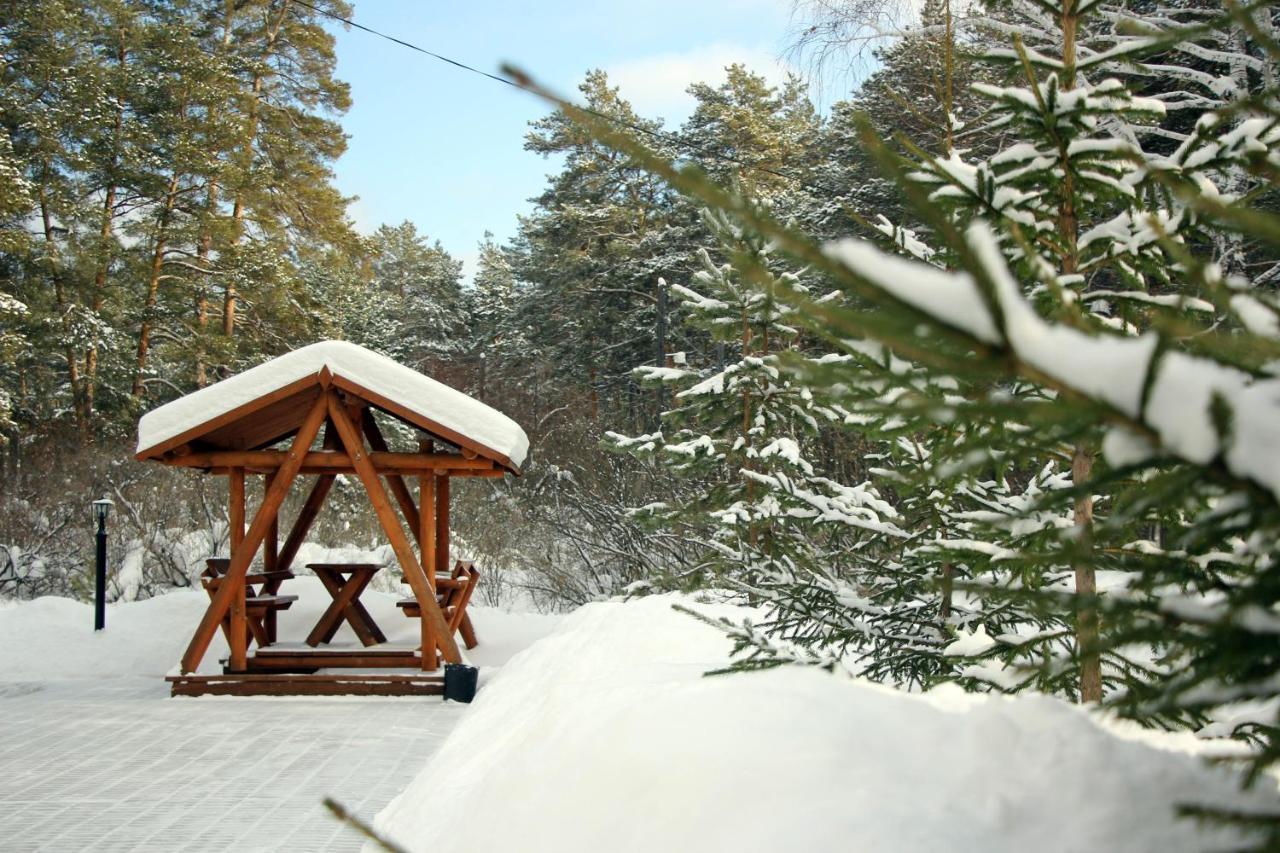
[
  {"x": 605, "y": 736},
  {"x": 53, "y": 638},
  {"x": 403, "y": 385}
]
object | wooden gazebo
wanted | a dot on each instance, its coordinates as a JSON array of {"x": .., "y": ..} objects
[{"x": 268, "y": 422}]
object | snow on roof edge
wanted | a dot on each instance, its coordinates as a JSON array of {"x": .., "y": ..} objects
[{"x": 446, "y": 406}]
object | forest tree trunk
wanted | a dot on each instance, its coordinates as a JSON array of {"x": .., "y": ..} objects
[
  {"x": 153, "y": 285},
  {"x": 61, "y": 300},
  {"x": 230, "y": 297},
  {"x": 1087, "y": 623},
  {"x": 104, "y": 235},
  {"x": 1087, "y": 627}
]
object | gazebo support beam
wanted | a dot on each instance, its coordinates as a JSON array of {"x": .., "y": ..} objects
[
  {"x": 310, "y": 507},
  {"x": 243, "y": 556},
  {"x": 338, "y": 462},
  {"x": 306, "y": 517},
  {"x": 413, "y": 570},
  {"x": 378, "y": 444}
]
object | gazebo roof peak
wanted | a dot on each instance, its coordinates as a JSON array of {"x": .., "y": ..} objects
[{"x": 267, "y": 403}]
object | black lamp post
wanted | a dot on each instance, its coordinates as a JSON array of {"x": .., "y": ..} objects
[{"x": 101, "y": 509}]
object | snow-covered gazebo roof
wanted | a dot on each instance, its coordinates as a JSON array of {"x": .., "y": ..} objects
[
  {"x": 328, "y": 392},
  {"x": 269, "y": 402}
]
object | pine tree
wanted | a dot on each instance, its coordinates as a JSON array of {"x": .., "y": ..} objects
[
  {"x": 425, "y": 283},
  {"x": 15, "y": 201},
  {"x": 11, "y": 343},
  {"x": 127, "y": 125},
  {"x": 49, "y": 100},
  {"x": 279, "y": 181},
  {"x": 921, "y": 93},
  {"x": 748, "y": 131},
  {"x": 591, "y": 255},
  {"x": 182, "y": 144},
  {"x": 355, "y": 307},
  {"x": 497, "y": 341}
]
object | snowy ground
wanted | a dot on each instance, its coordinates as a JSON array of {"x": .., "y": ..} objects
[
  {"x": 94, "y": 755},
  {"x": 606, "y": 736},
  {"x": 600, "y": 732}
]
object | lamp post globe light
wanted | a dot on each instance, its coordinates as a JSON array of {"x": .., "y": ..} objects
[{"x": 101, "y": 509}]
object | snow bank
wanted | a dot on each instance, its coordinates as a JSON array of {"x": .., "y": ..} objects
[
  {"x": 605, "y": 736},
  {"x": 377, "y": 373},
  {"x": 53, "y": 638}
]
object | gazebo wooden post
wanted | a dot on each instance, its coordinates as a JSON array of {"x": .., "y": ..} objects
[
  {"x": 243, "y": 556},
  {"x": 427, "y": 549},
  {"x": 238, "y": 629},
  {"x": 235, "y": 508},
  {"x": 442, "y": 524},
  {"x": 387, "y": 517},
  {"x": 270, "y": 557},
  {"x": 271, "y": 544}
]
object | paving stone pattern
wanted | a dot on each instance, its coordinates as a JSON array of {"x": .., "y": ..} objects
[{"x": 118, "y": 765}]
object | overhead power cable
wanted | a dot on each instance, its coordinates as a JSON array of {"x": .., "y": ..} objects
[{"x": 666, "y": 137}]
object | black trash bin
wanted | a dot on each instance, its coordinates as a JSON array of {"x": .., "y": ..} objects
[{"x": 460, "y": 682}]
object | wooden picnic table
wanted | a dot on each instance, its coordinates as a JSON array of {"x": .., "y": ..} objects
[
  {"x": 262, "y": 600},
  {"x": 453, "y": 594},
  {"x": 345, "y": 582}
]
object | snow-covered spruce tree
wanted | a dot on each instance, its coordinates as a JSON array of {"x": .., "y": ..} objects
[
  {"x": 980, "y": 501},
  {"x": 975, "y": 508},
  {"x": 743, "y": 431},
  {"x": 1186, "y": 410},
  {"x": 1181, "y": 53},
  {"x": 898, "y": 618},
  {"x": 886, "y": 606},
  {"x": 1088, "y": 219},
  {"x": 1190, "y": 451}
]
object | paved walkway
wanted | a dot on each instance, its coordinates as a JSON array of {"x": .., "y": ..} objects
[{"x": 117, "y": 765}]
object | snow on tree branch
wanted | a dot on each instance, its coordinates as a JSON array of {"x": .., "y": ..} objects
[{"x": 1192, "y": 407}]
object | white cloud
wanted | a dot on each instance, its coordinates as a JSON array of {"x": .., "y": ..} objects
[
  {"x": 470, "y": 264},
  {"x": 361, "y": 221},
  {"x": 655, "y": 85}
]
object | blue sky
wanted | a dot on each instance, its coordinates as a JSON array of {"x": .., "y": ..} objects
[{"x": 444, "y": 148}]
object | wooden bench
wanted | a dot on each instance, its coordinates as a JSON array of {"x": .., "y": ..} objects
[
  {"x": 453, "y": 593},
  {"x": 261, "y": 605}
]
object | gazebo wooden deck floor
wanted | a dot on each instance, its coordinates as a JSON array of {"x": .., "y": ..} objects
[
  {"x": 329, "y": 684},
  {"x": 233, "y": 429}
]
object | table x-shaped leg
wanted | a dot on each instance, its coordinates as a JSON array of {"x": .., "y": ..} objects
[{"x": 346, "y": 605}]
